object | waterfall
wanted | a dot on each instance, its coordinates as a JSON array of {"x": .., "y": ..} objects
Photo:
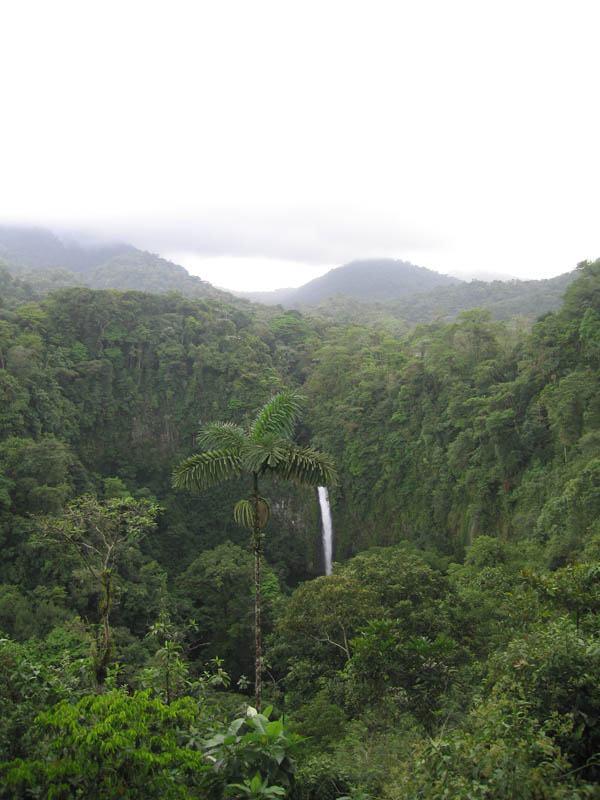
[{"x": 326, "y": 527}]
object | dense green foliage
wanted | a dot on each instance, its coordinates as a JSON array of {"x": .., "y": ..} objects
[
  {"x": 43, "y": 262},
  {"x": 454, "y": 651},
  {"x": 507, "y": 300},
  {"x": 265, "y": 450}
]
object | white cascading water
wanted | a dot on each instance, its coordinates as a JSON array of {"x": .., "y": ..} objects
[{"x": 326, "y": 527}]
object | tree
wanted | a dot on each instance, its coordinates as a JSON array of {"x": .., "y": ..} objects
[
  {"x": 110, "y": 746},
  {"x": 265, "y": 450},
  {"x": 99, "y": 531},
  {"x": 215, "y": 591}
]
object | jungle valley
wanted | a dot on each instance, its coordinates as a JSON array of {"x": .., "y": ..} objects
[{"x": 454, "y": 650}]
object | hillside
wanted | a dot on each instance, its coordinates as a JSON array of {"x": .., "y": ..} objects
[
  {"x": 44, "y": 262},
  {"x": 396, "y": 295},
  {"x": 147, "y": 272},
  {"x": 368, "y": 280},
  {"x": 505, "y": 299},
  {"x": 383, "y": 293}
]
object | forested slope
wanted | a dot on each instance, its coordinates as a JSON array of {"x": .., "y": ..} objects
[
  {"x": 385, "y": 294},
  {"x": 43, "y": 262},
  {"x": 454, "y": 650},
  {"x": 467, "y": 428},
  {"x": 521, "y": 301}
]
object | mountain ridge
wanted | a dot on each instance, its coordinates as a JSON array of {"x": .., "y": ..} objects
[
  {"x": 372, "y": 279},
  {"x": 388, "y": 293},
  {"x": 40, "y": 258}
]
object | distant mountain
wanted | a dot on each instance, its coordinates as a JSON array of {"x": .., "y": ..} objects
[
  {"x": 45, "y": 262},
  {"x": 378, "y": 292},
  {"x": 38, "y": 249},
  {"x": 386, "y": 293},
  {"x": 367, "y": 280},
  {"x": 149, "y": 273},
  {"x": 505, "y": 299},
  {"x": 374, "y": 279}
]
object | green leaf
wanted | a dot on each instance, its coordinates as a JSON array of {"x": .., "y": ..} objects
[
  {"x": 256, "y": 783},
  {"x": 215, "y": 741},
  {"x": 244, "y": 513},
  {"x": 260, "y": 723},
  {"x": 236, "y": 725},
  {"x": 307, "y": 466},
  {"x": 221, "y": 436},
  {"x": 274, "y": 728},
  {"x": 203, "y": 470},
  {"x": 266, "y": 453},
  {"x": 278, "y": 416}
]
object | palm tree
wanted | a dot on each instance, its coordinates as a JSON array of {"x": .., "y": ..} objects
[{"x": 266, "y": 449}]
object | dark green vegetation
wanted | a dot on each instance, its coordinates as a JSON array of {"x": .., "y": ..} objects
[{"x": 454, "y": 652}]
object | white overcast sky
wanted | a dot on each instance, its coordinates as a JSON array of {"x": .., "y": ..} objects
[{"x": 261, "y": 142}]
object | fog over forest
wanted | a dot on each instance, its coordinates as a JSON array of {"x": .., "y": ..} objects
[{"x": 299, "y": 400}]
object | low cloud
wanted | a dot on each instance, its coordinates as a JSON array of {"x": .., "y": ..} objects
[{"x": 307, "y": 236}]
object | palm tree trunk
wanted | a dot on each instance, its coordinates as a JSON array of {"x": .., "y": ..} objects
[{"x": 256, "y": 543}]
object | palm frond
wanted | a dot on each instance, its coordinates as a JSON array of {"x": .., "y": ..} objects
[
  {"x": 278, "y": 416},
  {"x": 221, "y": 436},
  {"x": 259, "y": 454},
  {"x": 307, "y": 466},
  {"x": 244, "y": 512},
  {"x": 203, "y": 470}
]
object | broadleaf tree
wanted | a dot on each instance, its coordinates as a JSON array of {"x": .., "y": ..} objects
[{"x": 99, "y": 531}]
